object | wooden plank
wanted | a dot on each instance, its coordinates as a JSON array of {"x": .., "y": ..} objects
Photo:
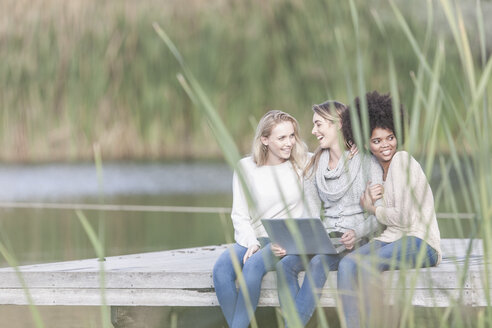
[
  {"x": 193, "y": 259},
  {"x": 183, "y": 278},
  {"x": 185, "y": 297},
  {"x": 112, "y": 280},
  {"x": 447, "y": 276}
]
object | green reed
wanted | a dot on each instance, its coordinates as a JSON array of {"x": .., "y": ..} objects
[
  {"x": 97, "y": 238},
  {"x": 99, "y": 249},
  {"x": 12, "y": 261}
]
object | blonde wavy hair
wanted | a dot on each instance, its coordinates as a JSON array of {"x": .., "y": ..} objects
[
  {"x": 331, "y": 111},
  {"x": 267, "y": 123}
]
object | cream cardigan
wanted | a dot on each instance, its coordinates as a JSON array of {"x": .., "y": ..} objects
[{"x": 408, "y": 204}]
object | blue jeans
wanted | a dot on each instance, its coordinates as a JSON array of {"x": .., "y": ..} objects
[
  {"x": 303, "y": 297},
  {"x": 232, "y": 301},
  {"x": 358, "y": 273}
]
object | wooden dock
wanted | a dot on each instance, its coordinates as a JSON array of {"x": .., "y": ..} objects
[{"x": 184, "y": 278}]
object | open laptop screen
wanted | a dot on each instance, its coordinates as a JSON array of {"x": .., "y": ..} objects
[{"x": 302, "y": 236}]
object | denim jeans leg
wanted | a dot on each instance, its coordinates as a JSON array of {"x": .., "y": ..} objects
[
  {"x": 224, "y": 277},
  {"x": 400, "y": 254},
  {"x": 313, "y": 283},
  {"x": 288, "y": 269},
  {"x": 253, "y": 271},
  {"x": 403, "y": 254},
  {"x": 348, "y": 282}
]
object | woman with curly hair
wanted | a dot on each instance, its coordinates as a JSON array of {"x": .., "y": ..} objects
[
  {"x": 411, "y": 238},
  {"x": 273, "y": 177}
]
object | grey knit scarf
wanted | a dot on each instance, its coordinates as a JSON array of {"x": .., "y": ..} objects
[{"x": 333, "y": 184}]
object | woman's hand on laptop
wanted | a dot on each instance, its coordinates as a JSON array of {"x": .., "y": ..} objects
[
  {"x": 277, "y": 250},
  {"x": 348, "y": 239},
  {"x": 251, "y": 250}
]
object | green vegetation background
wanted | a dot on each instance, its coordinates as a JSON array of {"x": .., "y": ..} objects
[{"x": 76, "y": 73}]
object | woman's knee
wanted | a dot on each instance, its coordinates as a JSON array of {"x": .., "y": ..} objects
[
  {"x": 323, "y": 263},
  {"x": 221, "y": 271},
  {"x": 348, "y": 265},
  {"x": 224, "y": 267},
  {"x": 317, "y": 262},
  {"x": 281, "y": 266},
  {"x": 289, "y": 265},
  {"x": 319, "y": 266},
  {"x": 254, "y": 268},
  {"x": 284, "y": 271}
]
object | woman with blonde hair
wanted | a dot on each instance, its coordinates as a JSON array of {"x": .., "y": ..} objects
[
  {"x": 334, "y": 182},
  {"x": 272, "y": 177}
]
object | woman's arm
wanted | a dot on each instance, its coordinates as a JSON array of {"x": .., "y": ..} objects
[
  {"x": 244, "y": 233},
  {"x": 408, "y": 184},
  {"x": 375, "y": 180},
  {"x": 312, "y": 202}
]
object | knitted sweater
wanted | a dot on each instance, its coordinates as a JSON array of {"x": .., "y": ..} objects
[
  {"x": 276, "y": 192},
  {"x": 408, "y": 204},
  {"x": 340, "y": 190}
]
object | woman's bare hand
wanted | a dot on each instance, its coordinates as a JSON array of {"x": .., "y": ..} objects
[
  {"x": 366, "y": 201},
  {"x": 251, "y": 250},
  {"x": 348, "y": 239},
  {"x": 376, "y": 192},
  {"x": 277, "y": 250},
  {"x": 353, "y": 151}
]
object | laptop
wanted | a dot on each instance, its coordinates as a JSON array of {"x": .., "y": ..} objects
[{"x": 303, "y": 236}]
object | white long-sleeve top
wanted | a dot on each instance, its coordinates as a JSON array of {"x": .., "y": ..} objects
[
  {"x": 276, "y": 192},
  {"x": 408, "y": 204}
]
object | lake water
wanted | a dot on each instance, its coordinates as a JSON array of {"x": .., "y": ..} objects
[{"x": 39, "y": 235}]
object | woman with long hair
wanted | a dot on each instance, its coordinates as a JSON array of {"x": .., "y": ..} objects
[
  {"x": 334, "y": 182},
  {"x": 272, "y": 177}
]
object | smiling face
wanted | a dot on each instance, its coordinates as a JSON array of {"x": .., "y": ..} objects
[
  {"x": 326, "y": 131},
  {"x": 383, "y": 145},
  {"x": 280, "y": 143}
]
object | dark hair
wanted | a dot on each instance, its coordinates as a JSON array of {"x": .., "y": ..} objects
[{"x": 380, "y": 113}]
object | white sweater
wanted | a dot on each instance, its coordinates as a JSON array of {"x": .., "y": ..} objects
[
  {"x": 276, "y": 192},
  {"x": 408, "y": 204}
]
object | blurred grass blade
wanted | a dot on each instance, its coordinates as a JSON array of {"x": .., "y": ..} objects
[
  {"x": 32, "y": 307},
  {"x": 411, "y": 38},
  {"x": 227, "y": 144},
  {"x": 360, "y": 73},
  {"x": 467, "y": 56},
  {"x": 99, "y": 249},
  {"x": 395, "y": 97},
  {"x": 199, "y": 98},
  {"x": 91, "y": 234}
]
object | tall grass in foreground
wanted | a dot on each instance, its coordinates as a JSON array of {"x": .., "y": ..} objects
[{"x": 448, "y": 108}]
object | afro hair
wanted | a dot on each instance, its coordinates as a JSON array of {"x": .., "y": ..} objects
[{"x": 380, "y": 112}]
